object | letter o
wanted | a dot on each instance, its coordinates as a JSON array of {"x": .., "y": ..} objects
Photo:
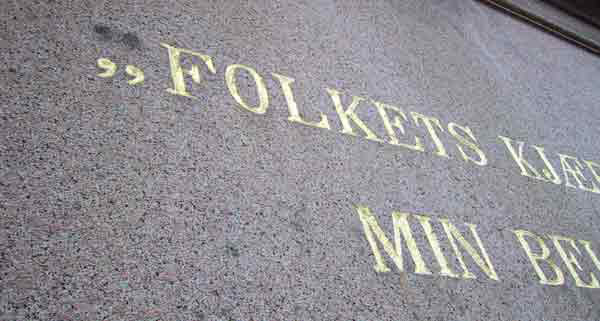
[{"x": 260, "y": 87}]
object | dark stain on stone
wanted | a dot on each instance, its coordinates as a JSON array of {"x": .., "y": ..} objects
[
  {"x": 13, "y": 70},
  {"x": 103, "y": 31},
  {"x": 200, "y": 316},
  {"x": 232, "y": 250},
  {"x": 131, "y": 40}
]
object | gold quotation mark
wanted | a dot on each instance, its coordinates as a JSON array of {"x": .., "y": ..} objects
[
  {"x": 110, "y": 69},
  {"x": 135, "y": 72}
]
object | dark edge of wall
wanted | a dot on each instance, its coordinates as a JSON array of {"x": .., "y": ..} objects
[
  {"x": 544, "y": 24},
  {"x": 576, "y": 12}
]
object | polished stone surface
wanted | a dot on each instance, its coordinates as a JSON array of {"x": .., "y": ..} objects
[{"x": 123, "y": 202}]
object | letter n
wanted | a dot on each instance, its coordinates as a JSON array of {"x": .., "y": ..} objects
[
  {"x": 374, "y": 233},
  {"x": 484, "y": 263}
]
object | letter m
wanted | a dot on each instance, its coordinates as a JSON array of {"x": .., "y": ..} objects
[{"x": 402, "y": 230}]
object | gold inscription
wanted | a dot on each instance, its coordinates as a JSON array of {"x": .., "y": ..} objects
[
  {"x": 263, "y": 97},
  {"x": 401, "y": 229},
  {"x": 592, "y": 167},
  {"x": 349, "y": 114},
  {"x": 539, "y": 254},
  {"x": 467, "y": 146},
  {"x": 431, "y": 123},
  {"x": 177, "y": 72},
  {"x": 404, "y": 237},
  {"x": 286, "y": 83},
  {"x": 136, "y": 73},
  {"x": 574, "y": 170},
  {"x": 109, "y": 68},
  {"x": 373, "y": 232},
  {"x": 396, "y": 123},
  {"x": 544, "y": 256},
  {"x": 485, "y": 264},
  {"x": 571, "y": 261},
  {"x": 526, "y": 168},
  {"x": 471, "y": 142},
  {"x": 393, "y": 119}
]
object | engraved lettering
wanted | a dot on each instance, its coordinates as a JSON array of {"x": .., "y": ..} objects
[
  {"x": 285, "y": 83},
  {"x": 263, "y": 97},
  {"x": 349, "y": 114},
  {"x": 571, "y": 261},
  {"x": 485, "y": 264},
  {"x": 396, "y": 123},
  {"x": 177, "y": 72},
  {"x": 526, "y": 168},
  {"x": 429, "y": 123},
  {"x": 401, "y": 229},
  {"x": 591, "y": 165},
  {"x": 535, "y": 258},
  {"x": 435, "y": 246},
  {"x": 137, "y": 73},
  {"x": 109, "y": 68},
  {"x": 588, "y": 249},
  {"x": 470, "y": 142},
  {"x": 575, "y": 171}
]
